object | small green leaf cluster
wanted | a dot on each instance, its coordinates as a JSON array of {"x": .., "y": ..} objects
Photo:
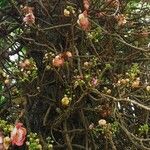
[
  {"x": 144, "y": 129},
  {"x": 134, "y": 71}
]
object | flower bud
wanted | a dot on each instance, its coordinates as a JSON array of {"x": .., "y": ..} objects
[
  {"x": 66, "y": 13},
  {"x": 102, "y": 122}
]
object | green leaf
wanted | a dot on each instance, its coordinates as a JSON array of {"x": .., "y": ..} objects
[{"x": 3, "y": 3}]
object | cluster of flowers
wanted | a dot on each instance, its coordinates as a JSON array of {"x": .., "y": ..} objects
[
  {"x": 59, "y": 60},
  {"x": 121, "y": 19},
  {"x": 17, "y": 137},
  {"x": 27, "y": 69},
  {"x": 104, "y": 128},
  {"x": 29, "y": 17},
  {"x": 68, "y": 11},
  {"x": 83, "y": 20}
]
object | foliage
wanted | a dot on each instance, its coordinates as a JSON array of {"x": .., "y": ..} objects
[{"x": 3, "y": 3}]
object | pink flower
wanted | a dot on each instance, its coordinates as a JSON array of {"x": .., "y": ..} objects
[
  {"x": 29, "y": 19},
  {"x": 121, "y": 19},
  {"x": 18, "y": 134},
  {"x": 83, "y": 21},
  {"x": 94, "y": 81},
  {"x": 86, "y": 4},
  {"x": 58, "y": 61},
  {"x": 1, "y": 139}
]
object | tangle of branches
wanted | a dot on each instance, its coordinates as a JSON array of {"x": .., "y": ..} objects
[{"x": 76, "y": 72}]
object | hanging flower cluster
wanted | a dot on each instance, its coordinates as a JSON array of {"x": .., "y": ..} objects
[
  {"x": 29, "y": 18},
  {"x": 17, "y": 135},
  {"x": 83, "y": 21},
  {"x": 25, "y": 64},
  {"x": 121, "y": 19},
  {"x": 59, "y": 60}
]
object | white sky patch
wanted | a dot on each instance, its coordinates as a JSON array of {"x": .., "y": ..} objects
[{"x": 14, "y": 57}]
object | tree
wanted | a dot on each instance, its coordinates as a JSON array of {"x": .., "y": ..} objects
[{"x": 75, "y": 73}]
